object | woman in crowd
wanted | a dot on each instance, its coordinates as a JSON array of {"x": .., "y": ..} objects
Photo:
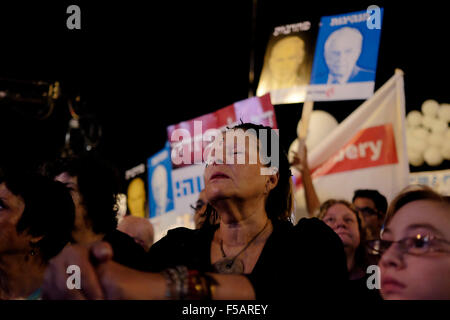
[
  {"x": 345, "y": 220},
  {"x": 415, "y": 246},
  {"x": 253, "y": 251},
  {"x": 33, "y": 229},
  {"x": 94, "y": 185}
]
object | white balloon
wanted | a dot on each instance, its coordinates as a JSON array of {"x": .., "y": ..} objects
[
  {"x": 439, "y": 126},
  {"x": 415, "y": 158},
  {"x": 447, "y": 134},
  {"x": 417, "y": 145},
  {"x": 421, "y": 133},
  {"x": 430, "y": 108},
  {"x": 433, "y": 156},
  {"x": 435, "y": 140},
  {"x": 445, "y": 150},
  {"x": 428, "y": 122},
  {"x": 321, "y": 124},
  {"x": 414, "y": 118},
  {"x": 444, "y": 112}
]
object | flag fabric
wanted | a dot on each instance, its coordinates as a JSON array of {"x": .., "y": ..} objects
[{"x": 366, "y": 151}]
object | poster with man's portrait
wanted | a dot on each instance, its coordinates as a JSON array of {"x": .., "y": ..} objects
[
  {"x": 136, "y": 191},
  {"x": 287, "y": 63},
  {"x": 345, "y": 57},
  {"x": 160, "y": 183}
]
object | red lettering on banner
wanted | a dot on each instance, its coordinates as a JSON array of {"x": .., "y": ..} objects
[{"x": 370, "y": 147}]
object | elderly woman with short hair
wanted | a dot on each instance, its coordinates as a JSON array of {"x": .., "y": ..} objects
[{"x": 253, "y": 251}]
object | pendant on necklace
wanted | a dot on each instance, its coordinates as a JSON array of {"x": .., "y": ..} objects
[{"x": 229, "y": 266}]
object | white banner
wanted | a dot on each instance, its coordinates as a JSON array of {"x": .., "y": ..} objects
[
  {"x": 366, "y": 151},
  {"x": 438, "y": 180}
]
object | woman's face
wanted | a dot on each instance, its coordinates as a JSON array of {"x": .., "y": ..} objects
[
  {"x": 237, "y": 180},
  {"x": 11, "y": 209},
  {"x": 420, "y": 274},
  {"x": 343, "y": 221}
]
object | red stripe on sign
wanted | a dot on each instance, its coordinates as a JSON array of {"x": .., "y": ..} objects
[{"x": 370, "y": 147}]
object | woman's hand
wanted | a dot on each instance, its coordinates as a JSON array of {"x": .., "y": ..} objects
[
  {"x": 55, "y": 284},
  {"x": 101, "y": 278}
]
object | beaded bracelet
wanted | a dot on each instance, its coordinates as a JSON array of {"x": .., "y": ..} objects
[
  {"x": 193, "y": 285},
  {"x": 176, "y": 282},
  {"x": 171, "y": 277}
]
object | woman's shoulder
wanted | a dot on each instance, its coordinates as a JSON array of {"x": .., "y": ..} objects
[
  {"x": 181, "y": 232},
  {"x": 312, "y": 225},
  {"x": 184, "y": 232},
  {"x": 315, "y": 229},
  {"x": 303, "y": 226},
  {"x": 181, "y": 246}
]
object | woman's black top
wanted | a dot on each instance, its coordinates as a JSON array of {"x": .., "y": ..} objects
[{"x": 306, "y": 261}]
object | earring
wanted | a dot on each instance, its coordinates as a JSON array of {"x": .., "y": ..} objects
[{"x": 32, "y": 253}]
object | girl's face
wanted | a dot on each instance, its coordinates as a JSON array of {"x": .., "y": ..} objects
[{"x": 416, "y": 269}]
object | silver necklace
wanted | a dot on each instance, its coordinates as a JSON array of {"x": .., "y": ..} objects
[{"x": 234, "y": 265}]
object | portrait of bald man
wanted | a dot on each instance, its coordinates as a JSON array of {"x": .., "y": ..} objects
[{"x": 341, "y": 52}]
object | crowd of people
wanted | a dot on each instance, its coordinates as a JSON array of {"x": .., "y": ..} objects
[{"x": 245, "y": 244}]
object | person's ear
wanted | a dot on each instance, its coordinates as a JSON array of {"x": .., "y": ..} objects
[
  {"x": 272, "y": 180},
  {"x": 35, "y": 240},
  {"x": 34, "y": 244}
]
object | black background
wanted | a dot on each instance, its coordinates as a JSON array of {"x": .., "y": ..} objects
[{"x": 141, "y": 66}]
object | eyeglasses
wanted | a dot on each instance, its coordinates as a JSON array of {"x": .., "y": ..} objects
[
  {"x": 418, "y": 245},
  {"x": 368, "y": 211}
]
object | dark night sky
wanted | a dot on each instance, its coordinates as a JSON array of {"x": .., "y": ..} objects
[{"x": 141, "y": 68}]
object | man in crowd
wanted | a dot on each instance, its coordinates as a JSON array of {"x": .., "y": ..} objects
[{"x": 373, "y": 206}]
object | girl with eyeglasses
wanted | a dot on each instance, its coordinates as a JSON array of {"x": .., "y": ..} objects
[{"x": 415, "y": 247}]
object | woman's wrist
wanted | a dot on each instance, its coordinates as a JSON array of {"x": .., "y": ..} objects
[
  {"x": 183, "y": 284},
  {"x": 148, "y": 286}
]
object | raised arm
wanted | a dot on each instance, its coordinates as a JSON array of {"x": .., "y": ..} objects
[{"x": 300, "y": 162}]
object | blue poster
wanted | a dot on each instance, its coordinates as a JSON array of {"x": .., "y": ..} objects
[
  {"x": 160, "y": 182},
  {"x": 346, "y": 55}
]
